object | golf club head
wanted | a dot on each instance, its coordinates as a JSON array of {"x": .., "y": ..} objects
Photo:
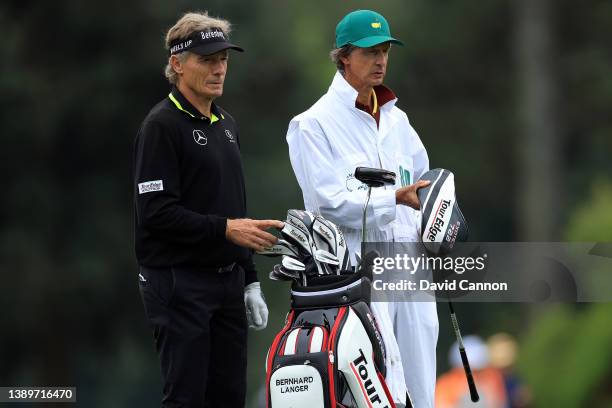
[
  {"x": 373, "y": 177},
  {"x": 442, "y": 223},
  {"x": 280, "y": 270},
  {"x": 323, "y": 234},
  {"x": 292, "y": 264},
  {"x": 326, "y": 257},
  {"x": 328, "y": 261},
  {"x": 298, "y": 238},
  {"x": 300, "y": 219},
  {"x": 341, "y": 251},
  {"x": 324, "y": 238},
  {"x": 282, "y": 247},
  {"x": 275, "y": 276}
]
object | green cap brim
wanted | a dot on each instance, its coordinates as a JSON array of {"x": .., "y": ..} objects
[{"x": 375, "y": 40}]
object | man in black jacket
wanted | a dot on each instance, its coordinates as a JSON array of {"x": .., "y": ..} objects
[{"x": 193, "y": 244}]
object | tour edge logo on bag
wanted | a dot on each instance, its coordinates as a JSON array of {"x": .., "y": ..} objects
[
  {"x": 360, "y": 369},
  {"x": 148, "y": 186}
]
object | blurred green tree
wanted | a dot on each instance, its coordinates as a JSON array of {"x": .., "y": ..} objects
[{"x": 566, "y": 356}]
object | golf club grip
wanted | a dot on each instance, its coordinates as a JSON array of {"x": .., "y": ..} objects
[{"x": 468, "y": 374}]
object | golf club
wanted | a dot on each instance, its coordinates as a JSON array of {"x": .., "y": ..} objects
[
  {"x": 282, "y": 247},
  {"x": 326, "y": 257},
  {"x": 464, "y": 359},
  {"x": 292, "y": 264}
]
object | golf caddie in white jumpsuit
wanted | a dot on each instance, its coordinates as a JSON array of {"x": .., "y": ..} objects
[{"x": 357, "y": 123}]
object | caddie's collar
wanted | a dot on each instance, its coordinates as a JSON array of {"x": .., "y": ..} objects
[{"x": 348, "y": 95}]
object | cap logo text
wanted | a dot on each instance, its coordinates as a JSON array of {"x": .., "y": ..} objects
[
  {"x": 180, "y": 46},
  {"x": 211, "y": 34}
]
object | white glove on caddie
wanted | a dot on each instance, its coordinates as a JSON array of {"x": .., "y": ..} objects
[{"x": 256, "y": 308}]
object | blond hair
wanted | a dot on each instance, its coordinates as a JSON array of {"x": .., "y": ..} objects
[{"x": 187, "y": 24}]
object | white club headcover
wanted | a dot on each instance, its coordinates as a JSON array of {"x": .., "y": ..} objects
[{"x": 442, "y": 223}]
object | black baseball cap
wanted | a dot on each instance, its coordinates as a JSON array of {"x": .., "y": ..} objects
[{"x": 204, "y": 42}]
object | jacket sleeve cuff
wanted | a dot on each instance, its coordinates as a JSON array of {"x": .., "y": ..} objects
[
  {"x": 250, "y": 276},
  {"x": 220, "y": 224},
  {"x": 384, "y": 204},
  {"x": 250, "y": 273}
]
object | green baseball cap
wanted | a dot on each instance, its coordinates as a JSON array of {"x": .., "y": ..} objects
[{"x": 363, "y": 28}]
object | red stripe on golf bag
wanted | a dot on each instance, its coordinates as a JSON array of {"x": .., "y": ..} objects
[
  {"x": 332, "y": 356},
  {"x": 384, "y": 384},
  {"x": 272, "y": 353}
]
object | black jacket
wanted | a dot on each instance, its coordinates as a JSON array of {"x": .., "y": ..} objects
[{"x": 188, "y": 181}]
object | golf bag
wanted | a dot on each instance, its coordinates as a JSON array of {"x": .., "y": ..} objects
[{"x": 329, "y": 354}]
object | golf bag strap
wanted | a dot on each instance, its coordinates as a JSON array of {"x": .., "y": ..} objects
[{"x": 378, "y": 346}]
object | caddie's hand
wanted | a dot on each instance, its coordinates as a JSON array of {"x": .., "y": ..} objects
[
  {"x": 252, "y": 234},
  {"x": 256, "y": 308},
  {"x": 408, "y": 195}
]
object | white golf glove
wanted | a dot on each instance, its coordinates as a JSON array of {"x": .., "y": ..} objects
[{"x": 256, "y": 308}]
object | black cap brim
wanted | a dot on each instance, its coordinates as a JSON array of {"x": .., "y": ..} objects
[{"x": 214, "y": 47}]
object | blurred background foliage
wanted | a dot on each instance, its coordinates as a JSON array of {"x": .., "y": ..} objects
[{"x": 77, "y": 79}]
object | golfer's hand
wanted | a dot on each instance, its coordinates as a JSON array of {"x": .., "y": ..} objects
[
  {"x": 408, "y": 195},
  {"x": 252, "y": 233},
  {"x": 255, "y": 305}
]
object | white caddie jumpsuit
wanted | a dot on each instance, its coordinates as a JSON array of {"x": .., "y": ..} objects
[{"x": 326, "y": 144}]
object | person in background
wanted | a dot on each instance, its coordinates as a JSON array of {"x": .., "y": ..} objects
[
  {"x": 503, "y": 350},
  {"x": 452, "y": 389}
]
